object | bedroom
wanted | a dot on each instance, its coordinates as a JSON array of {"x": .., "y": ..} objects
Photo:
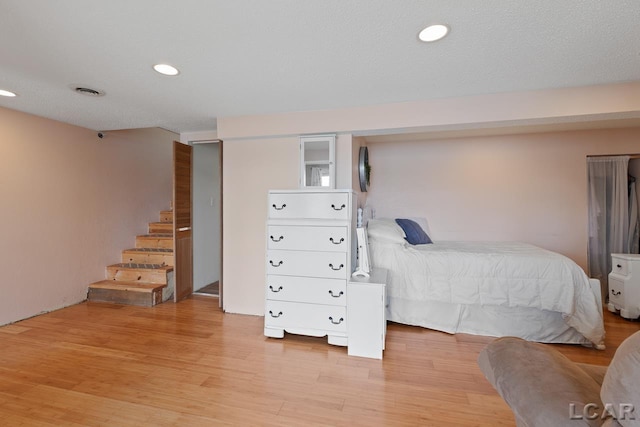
[
  {"x": 261, "y": 153},
  {"x": 409, "y": 348}
]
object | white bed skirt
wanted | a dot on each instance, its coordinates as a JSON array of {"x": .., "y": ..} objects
[
  {"x": 491, "y": 288},
  {"x": 495, "y": 321}
]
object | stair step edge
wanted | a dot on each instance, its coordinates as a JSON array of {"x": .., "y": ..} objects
[
  {"x": 126, "y": 286},
  {"x": 164, "y": 251},
  {"x": 141, "y": 266}
]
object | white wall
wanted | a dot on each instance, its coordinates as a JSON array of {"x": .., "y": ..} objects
[
  {"x": 206, "y": 215},
  {"x": 529, "y": 187},
  {"x": 251, "y": 168},
  {"x": 344, "y": 160},
  {"x": 70, "y": 203},
  {"x": 578, "y": 105}
]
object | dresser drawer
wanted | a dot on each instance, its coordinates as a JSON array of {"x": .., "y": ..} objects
[
  {"x": 308, "y": 238},
  {"x": 307, "y": 289},
  {"x": 331, "y": 265},
  {"x": 619, "y": 266},
  {"x": 309, "y": 205},
  {"x": 330, "y": 318},
  {"x": 616, "y": 292}
]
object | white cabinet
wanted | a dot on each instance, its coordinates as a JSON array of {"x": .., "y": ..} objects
[
  {"x": 624, "y": 285},
  {"x": 366, "y": 311},
  {"x": 310, "y": 256}
]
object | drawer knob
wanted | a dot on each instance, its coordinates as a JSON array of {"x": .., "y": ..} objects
[
  {"x": 279, "y": 208},
  {"x": 340, "y": 208},
  {"x": 274, "y": 264},
  {"x": 336, "y": 323},
  {"x": 336, "y": 296},
  {"x": 335, "y": 269},
  {"x": 278, "y": 239},
  {"x": 619, "y": 266},
  {"x": 614, "y": 293},
  {"x": 275, "y": 315},
  {"x": 274, "y": 290},
  {"x": 338, "y": 242}
]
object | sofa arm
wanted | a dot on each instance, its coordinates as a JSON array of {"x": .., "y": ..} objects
[{"x": 539, "y": 384}]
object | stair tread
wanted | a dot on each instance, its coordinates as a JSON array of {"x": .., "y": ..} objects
[
  {"x": 141, "y": 266},
  {"x": 158, "y": 250},
  {"x": 161, "y": 223},
  {"x": 157, "y": 235},
  {"x": 126, "y": 286}
]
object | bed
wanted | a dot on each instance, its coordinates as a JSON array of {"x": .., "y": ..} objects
[{"x": 486, "y": 288}]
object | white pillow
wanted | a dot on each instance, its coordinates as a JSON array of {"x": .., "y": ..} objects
[{"x": 385, "y": 230}]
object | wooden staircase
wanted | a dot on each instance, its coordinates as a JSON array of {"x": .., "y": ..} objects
[{"x": 145, "y": 275}]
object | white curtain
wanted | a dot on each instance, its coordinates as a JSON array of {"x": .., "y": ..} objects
[
  {"x": 608, "y": 213},
  {"x": 316, "y": 176},
  {"x": 633, "y": 245}
]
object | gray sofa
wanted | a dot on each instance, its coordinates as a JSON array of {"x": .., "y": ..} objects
[{"x": 546, "y": 389}]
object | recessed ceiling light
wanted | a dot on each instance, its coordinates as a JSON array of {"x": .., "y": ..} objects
[
  {"x": 166, "y": 69},
  {"x": 7, "y": 93},
  {"x": 433, "y": 33}
]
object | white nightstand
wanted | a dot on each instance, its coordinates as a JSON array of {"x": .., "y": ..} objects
[
  {"x": 624, "y": 285},
  {"x": 366, "y": 314}
]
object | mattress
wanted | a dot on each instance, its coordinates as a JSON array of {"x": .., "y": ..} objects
[{"x": 490, "y": 288}]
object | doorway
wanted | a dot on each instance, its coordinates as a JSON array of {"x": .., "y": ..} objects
[{"x": 207, "y": 218}]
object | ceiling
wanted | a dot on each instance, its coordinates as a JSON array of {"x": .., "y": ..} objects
[{"x": 246, "y": 57}]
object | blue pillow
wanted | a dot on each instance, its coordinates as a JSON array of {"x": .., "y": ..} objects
[{"x": 415, "y": 234}]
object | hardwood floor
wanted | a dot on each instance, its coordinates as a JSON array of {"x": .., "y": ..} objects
[{"x": 188, "y": 364}]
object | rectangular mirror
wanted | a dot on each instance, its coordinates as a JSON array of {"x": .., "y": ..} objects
[{"x": 317, "y": 161}]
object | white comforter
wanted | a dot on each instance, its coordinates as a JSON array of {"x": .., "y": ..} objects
[{"x": 493, "y": 273}]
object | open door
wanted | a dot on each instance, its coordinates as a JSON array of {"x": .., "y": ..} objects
[{"x": 182, "y": 221}]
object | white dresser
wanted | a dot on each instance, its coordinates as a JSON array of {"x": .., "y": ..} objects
[
  {"x": 624, "y": 285},
  {"x": 311, "y": 250}
]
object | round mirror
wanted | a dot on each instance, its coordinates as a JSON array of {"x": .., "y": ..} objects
[{"x": 364, "y": 170}]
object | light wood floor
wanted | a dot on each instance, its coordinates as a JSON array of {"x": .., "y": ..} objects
[{"x": 187, "y": 364}]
